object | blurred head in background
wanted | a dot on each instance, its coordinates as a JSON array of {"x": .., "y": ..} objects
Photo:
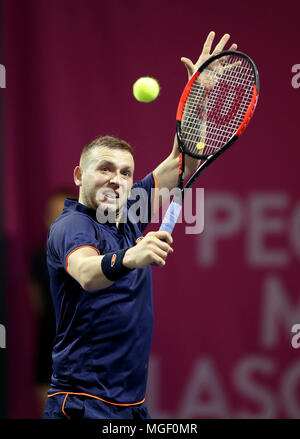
[{"x": 55, "y": 204}]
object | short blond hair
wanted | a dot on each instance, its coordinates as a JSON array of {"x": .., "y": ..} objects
[{"x": 111, "y": 142}]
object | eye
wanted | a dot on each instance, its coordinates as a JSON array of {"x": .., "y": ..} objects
[
  {"x": 104, "y": 169},
  {"x": 126, "y": 173}
]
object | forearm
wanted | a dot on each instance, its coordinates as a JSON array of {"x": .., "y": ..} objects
[
  {"x": 95, "y": 272},
  {"x": 91, "y": 275},
  {"x": 98, "y": 272},
  {"x": 191, "y": 164},
  {"x": 198, "y": 130},
  {"x": 167, "y": 172}
]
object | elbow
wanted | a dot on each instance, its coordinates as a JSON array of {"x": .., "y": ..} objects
[
  {"x": 86, "y": 285},
  {"x": 81, "y": 277},
  {"x": 94, "y": 283},
  {"x": 91, "y": 280},
  {"x": 85, "y": 280},
  {"x": 85, "y": 276}
]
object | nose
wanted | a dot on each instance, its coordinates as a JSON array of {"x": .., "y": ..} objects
[{"x": 115, "y": 178}]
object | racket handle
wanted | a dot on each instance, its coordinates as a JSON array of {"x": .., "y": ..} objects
[{"x": 171, "y": 217}]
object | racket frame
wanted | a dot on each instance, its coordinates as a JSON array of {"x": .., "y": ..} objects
[
  {"x": 211, "y": 157},
  {"x": 187, "y": 89},
  {"x": 175, "y": 206}
]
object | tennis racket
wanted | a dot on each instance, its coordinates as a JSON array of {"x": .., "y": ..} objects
[{"x": 215, "y": 108}]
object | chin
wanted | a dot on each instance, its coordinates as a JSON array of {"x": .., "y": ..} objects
[{"x": 107, "y": 212}]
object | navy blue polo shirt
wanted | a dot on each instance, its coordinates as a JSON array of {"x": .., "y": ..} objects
[{"x": 103, "y": 337}]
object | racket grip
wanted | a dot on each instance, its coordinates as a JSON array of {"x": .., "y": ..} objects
[{"x": 171, "y": 217}]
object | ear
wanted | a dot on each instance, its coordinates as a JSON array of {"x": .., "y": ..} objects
[{"x": 78, "y": 176}]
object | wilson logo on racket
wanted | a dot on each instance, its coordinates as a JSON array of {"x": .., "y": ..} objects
[
  {"x": 113, "y": 260},
  {"x": 222, "y": 114}
]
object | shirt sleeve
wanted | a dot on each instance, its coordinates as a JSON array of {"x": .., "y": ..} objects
[
  {"x": 68, "y": 235},
  {"x": 142, "y": 202}
]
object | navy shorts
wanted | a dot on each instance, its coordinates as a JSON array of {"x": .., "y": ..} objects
[{"x": 68, "y": 406}]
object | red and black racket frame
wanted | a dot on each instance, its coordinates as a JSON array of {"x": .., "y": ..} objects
[{"x": 210, "y": 158}]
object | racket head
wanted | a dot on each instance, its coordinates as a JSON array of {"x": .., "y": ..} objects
[{"x": 217, "y": 104}]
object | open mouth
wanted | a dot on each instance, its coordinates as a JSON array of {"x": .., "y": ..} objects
[
  {"x": 108, "y": 196},
  {"x": 111, "y": 196}
]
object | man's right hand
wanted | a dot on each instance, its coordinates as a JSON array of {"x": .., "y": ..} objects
[{"x": 153, "y": 248}]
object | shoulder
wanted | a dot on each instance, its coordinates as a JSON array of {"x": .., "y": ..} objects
[
  {"x": 143, "y": 189},
  {"x": 146, "y": 182},
  {"x": 70, "y": 225},
  {"x": 72, "y": 220},
  {"x": 70, "y": 231}
]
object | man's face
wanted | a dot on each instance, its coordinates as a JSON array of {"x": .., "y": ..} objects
[{"x": 107, "y": 179}]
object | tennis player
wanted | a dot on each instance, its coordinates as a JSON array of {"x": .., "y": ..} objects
[{"x": 100, "y": 279}]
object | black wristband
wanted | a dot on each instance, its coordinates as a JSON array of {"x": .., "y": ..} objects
[{"x": 112, "y": 265}]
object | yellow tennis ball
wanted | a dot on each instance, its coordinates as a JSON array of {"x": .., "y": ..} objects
[
  {"x": 200, "y": 145},
  {"x": 146, "y": 89}
]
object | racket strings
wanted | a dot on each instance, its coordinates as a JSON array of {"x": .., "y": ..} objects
[{"x": 217, "y": 104}]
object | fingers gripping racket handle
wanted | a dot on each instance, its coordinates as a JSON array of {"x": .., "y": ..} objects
[{"x": 171, "y": 217}]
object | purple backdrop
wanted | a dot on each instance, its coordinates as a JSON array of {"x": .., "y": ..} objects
[{"x": 227, "y": 299}]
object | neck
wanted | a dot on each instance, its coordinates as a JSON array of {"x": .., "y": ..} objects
[{"x": 82, "y": 200}]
